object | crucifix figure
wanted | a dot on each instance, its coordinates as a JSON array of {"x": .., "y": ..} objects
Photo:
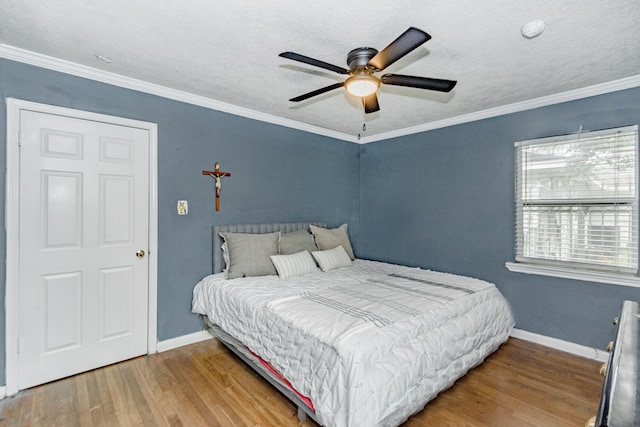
[{"x": 217, "y": 175}]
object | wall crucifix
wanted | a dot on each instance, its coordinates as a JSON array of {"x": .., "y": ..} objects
[{"x": 217, "y": 175}]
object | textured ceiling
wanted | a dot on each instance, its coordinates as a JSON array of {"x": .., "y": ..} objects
[{"x": 227, "y": 50}]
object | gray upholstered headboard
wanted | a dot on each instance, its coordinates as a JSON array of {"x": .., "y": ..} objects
[{"x": 285, "y": 227}]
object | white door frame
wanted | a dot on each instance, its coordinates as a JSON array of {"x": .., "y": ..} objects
[{"x": 12, "y": 225}]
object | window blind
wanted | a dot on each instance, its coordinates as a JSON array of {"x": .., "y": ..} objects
[{"x": 577, "y": 200}]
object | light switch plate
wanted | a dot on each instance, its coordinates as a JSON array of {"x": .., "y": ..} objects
[{"x": 183, "y": 207}]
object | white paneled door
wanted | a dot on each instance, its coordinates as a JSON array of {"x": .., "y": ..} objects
[{"x": 84, "y": 238}]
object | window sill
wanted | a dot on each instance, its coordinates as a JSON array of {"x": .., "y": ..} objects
[{"x": 567, "y": 273}]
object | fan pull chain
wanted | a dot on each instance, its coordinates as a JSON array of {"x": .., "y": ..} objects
[{"x": 364, "y": 129}]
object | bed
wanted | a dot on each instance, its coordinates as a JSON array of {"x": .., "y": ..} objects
[{"x": 363, "y": 344}]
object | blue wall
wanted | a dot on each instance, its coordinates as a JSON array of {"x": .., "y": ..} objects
[
  {"x": 444, "y": 200},
  {"x": 277, "y": 174}
]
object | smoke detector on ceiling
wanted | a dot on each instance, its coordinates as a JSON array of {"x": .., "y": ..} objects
[{"x": 532, "y": 29}]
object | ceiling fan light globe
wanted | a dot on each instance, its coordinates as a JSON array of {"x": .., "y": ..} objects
[{"x": 362, "y": 86}]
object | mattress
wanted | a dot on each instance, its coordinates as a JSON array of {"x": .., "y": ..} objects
[{"x": 369, "y": 344}]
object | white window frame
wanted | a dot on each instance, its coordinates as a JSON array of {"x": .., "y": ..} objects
[{"x": 566, "y": 270}]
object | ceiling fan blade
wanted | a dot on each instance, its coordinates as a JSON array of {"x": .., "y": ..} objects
[
  {"x": 317, "y": 92},
  {"x": 409, "y": 40},
  {"x": 418, "y": 82},
  {"x": 370, "y": 103},
  {"x": 314, "y": 62}
]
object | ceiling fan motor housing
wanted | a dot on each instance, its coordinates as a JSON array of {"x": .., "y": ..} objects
[{"x": 360, "y": 57}]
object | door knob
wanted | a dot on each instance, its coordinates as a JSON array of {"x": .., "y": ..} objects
[{"x": 140, "y": 253}]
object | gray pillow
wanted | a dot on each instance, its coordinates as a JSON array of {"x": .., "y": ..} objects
[
  {"x": 332, "y": 238},
  {"x": 297, "y": 241},
  {"x": 250, "y": 254}
]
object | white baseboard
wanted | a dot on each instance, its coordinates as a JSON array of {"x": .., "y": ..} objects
[
  {"x": 176, "y": 342},
  {"x": 566, "y": 346},
  {"x": 3, "y": 392}
]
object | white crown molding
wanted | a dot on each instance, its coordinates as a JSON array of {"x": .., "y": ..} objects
[
  {"x": 43, "y": 61},
  {"x": 572, "y": 95},
  {"x": 32, "y": 58}
]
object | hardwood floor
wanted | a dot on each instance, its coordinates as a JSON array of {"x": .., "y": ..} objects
[{"x": 204, "y": 384}]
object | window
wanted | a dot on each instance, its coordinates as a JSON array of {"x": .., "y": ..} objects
[{"x": 577, "y": 201}]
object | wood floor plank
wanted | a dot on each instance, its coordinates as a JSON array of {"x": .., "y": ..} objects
[
  {"x": 83, "y": 404},
  {"x": 522, "y": 384},
  {"x": 126, "y": 413},
  {"x": 95, "y": 401},
  {"x": 150, "y": 393},
  {"x": 105, "y": 403},
  {"x": 25, "y": 409}
]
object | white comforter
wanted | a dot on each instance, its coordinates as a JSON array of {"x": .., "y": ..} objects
[{"x": 370, "y": 344}]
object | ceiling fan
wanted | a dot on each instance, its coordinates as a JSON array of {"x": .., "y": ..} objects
[{"x": 365, "y": 61}]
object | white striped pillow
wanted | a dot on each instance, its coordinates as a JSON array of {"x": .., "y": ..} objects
[
  {"x": 294, "y": 265},
  {"x": 332, "y": 258}
]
